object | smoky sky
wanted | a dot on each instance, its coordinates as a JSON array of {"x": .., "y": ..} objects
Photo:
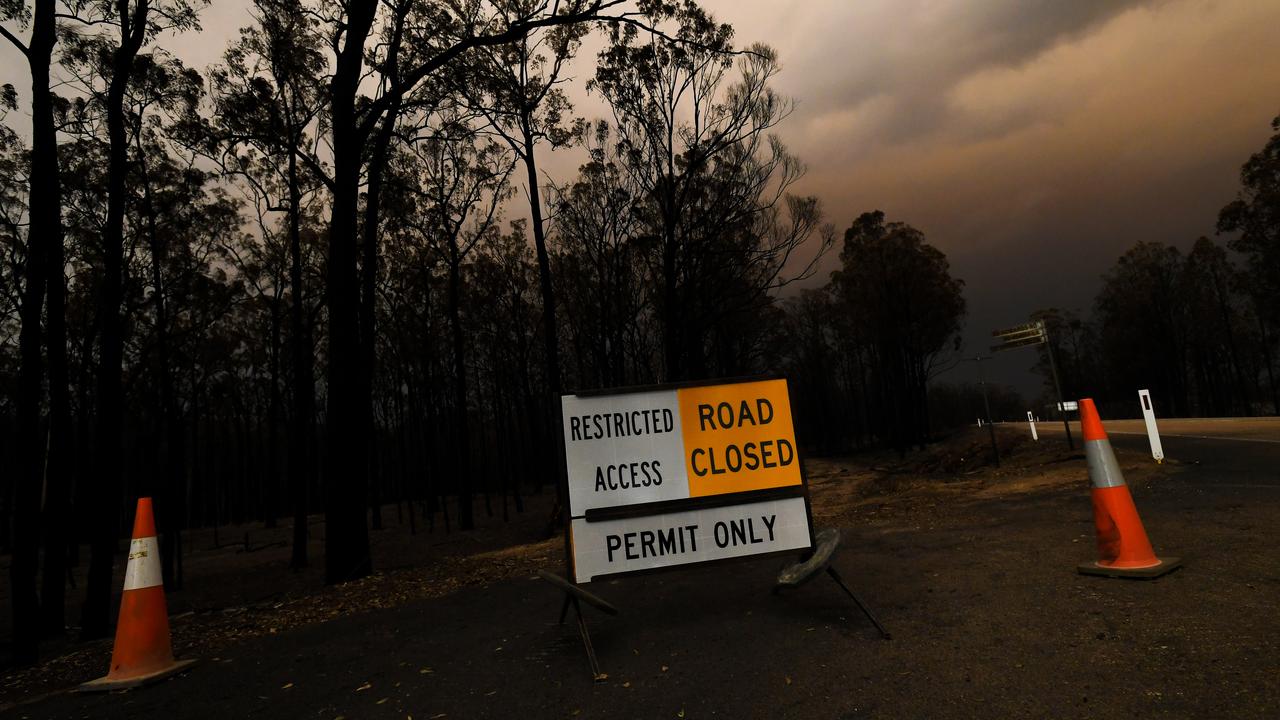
[{"x": 1033, "y": 141}]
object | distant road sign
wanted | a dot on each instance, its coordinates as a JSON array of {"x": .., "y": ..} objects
[
  {"x": 1019, "y": 342},
  {"x": 1026, "y": 335},
  {"x": 1020, "y": 335},
  {"x": 1037, "y": 327},
  {"x": 679, "y": 475},
  {"x": 1068, "y": 406}
]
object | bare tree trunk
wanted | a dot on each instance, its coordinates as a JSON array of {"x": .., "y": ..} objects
[
  {"x": 462, "y": 443},
  {"x": 46, "y": 220},
  {"x": 369, "y": 272},
  {"x": 346, "y": 450},
  {"x": 302, "y": 434},
  {"x": 550, "y": 330},
  {"x": 95, "y": 617},
  {"x": 1267, "y": 358},
  {"x": 31, "y": 443},
  {"x": 271, "y": 509},
  {"x": 170, "y": 465}
]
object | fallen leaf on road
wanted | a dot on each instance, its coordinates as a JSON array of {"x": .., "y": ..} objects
[
  {"x": 381, "y": 701},
  {"x": 425, "y": 671},
  {"x": 626, "y": 684},
  {"x": 681, "y": 713},
  {"x": 664, "y": 668},
  {"x": 364, "y": 687},
  {"x": 286, "y": 686},
  {"x": 788, "y": 679}
]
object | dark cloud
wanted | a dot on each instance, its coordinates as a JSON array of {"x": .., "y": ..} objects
[
  {"x": 909, "y": 55},
  {"x": 1033, "y": 142}
]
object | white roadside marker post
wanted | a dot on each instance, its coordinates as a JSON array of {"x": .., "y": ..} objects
[
  {"x": 1031, "y": 420},
  {"x": 1153, "y": 434}
]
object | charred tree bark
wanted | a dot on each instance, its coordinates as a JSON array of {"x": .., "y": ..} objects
[
  {"x": 462, "y": 441},
  {"x": 369, "y": 266},
  {"x": 271, "y": 478},
  {"x": 95, "y": 616},
  {"x": 550, "y": 330},
  {"x": 168, "y": 431},
  {"x": 31, "y": 442},
  {"x": 46, "y": 220},
  {"x": 346, "y": 450},
  {"x": 302, "y": 431}
]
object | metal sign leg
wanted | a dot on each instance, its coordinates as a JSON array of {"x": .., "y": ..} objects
[
  {"x": 564, "y": 609},
  {"x": 586, "y": 642},
  {"x": 574, "y": 595},
  {"x": 839, "y": 581}
]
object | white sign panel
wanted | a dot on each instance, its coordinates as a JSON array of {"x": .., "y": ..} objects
[
  {"x": 1069, "y": 405},
  {"x": 720, "y": 460},
  {"x": 690, "y": 536},
  {"x": 623, "y": 449},
  {"x": 1153, "y": 433}
]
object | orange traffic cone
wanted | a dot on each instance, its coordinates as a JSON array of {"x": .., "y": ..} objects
[
  {"x": 142, "y": 652},
  {"x": 1123, "y": 547}
]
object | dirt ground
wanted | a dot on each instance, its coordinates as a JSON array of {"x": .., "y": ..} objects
[{"x": 971, "y": 567}]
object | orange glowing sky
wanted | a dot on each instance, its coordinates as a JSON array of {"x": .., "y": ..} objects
[{"x": 1033, "y": 142}]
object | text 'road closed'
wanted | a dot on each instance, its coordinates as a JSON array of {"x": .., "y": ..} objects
[{"x": 738, "y": 437}]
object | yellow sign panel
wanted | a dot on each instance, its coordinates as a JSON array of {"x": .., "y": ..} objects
[{"x": 738, "y": 437}]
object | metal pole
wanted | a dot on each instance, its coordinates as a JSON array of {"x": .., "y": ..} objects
[
  {"x": 991, "y": 428},
  {"x": 1057, "y": 386},
  {"x": 840, "y": 581}
]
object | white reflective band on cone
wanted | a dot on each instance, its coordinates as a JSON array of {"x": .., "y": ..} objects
[
  {"x": 143, "y": 570},
  {"x": 1104, "y": 471}
]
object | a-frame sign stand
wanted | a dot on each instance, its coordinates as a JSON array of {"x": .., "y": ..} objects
[
  {"x": 707, "y": 473},
  {"x": 574, "y": 596},
  {"x": 839, "y": 581},
  {"x": 819, "y": 560}
]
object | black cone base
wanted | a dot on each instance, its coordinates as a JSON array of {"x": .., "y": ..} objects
[{"x": 1166, "y": 566}]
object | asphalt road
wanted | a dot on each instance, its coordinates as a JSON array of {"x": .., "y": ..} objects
[
  {"x": 989, "y": 617},
  {"x": 1237, "y": 453}
]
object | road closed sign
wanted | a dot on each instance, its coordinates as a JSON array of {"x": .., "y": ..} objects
[{"x": 678, "y": 475}]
